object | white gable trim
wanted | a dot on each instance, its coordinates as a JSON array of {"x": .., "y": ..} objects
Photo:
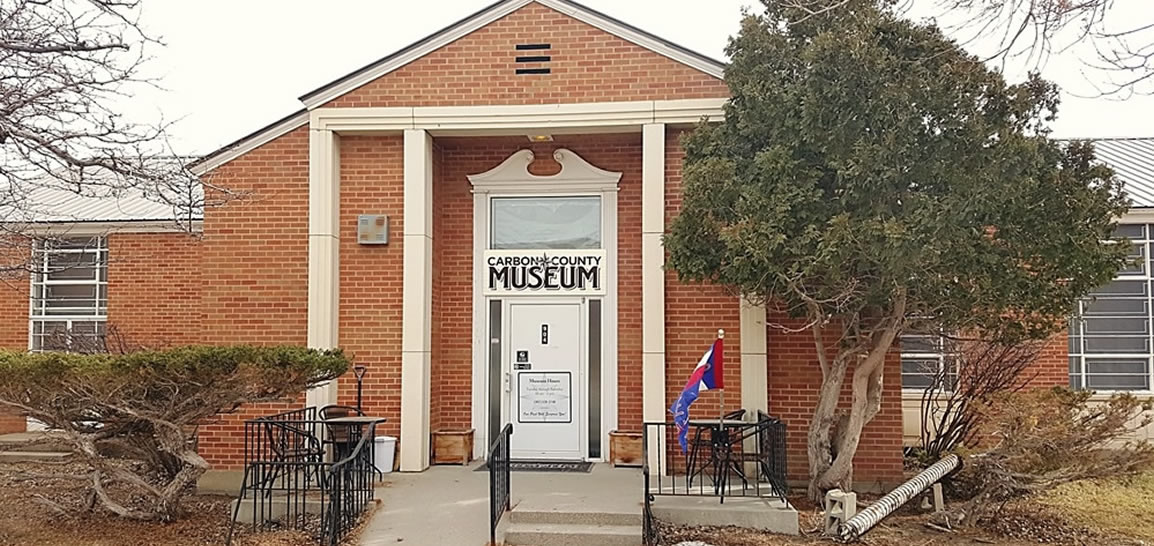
[
  {"x": 250, "y": 143},
  {"x": 632, "y": 35},
  {"x": 326, "y": 94}
]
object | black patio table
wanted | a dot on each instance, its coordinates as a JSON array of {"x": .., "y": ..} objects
[
  {"x": 723, "y": 435},
  {"x": 342, "y": 436}
]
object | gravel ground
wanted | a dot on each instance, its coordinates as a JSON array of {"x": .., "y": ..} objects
[
  {"x": 27, "y": 519},
  {"x": 1022, "y": 525}
]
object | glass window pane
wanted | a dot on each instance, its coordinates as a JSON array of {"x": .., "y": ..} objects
[
  {"x": 1128, "y": 325},
  {"x": 919, "y": 366},
  {"x": 917, "y": 381},
  {"x": 920, "y": 344},
  {"x": 1116, "y": 306},
  {"x": 1116, "y": 366},
  {"x": 1117, "y": 345},
  {"x": 1122, "y": 288},
  {"x": 1075, "y": 382},
  {"x": 1130, "y": 231},
  {"x": 1136, "y": 260},
  {"x": 1118, "y": 382},
  {"x": 546, "y": 222}
]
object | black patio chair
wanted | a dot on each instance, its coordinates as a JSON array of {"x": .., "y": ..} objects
[{"x": 292, "y": 444}]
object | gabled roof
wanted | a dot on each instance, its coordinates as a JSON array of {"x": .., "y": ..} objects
[
  {"x": 494, "y": 12},
  {"x": 1133, "y": 160},
  {"x": 50, "y": 205},
  {"x": 445, "y": 36}
]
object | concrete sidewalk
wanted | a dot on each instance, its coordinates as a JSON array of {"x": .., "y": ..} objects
[{"x": 450, "y": 504}]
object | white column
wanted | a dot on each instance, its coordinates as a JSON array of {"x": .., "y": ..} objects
[
  {"x": 754, "y": 376},
  {"x": 324, "y": 251},
  {"x": 417, "y": 308},
  {"x": 653, "y": 282}
]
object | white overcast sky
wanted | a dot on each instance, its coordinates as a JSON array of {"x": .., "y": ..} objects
[{"x": 230, "y": 67}]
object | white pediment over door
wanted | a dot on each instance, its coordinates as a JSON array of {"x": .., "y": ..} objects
[{"x": 576, "y": 175}]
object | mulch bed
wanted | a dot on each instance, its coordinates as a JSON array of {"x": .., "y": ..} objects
[
  {"x": 27, "y": 519},
  {"x": 1021, "y": 525}
]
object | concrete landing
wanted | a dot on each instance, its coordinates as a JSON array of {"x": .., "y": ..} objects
[{"x": 768, "y": 514}]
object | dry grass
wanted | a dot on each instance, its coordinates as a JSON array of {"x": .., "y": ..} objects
[{"x": 1116, "y": 506}]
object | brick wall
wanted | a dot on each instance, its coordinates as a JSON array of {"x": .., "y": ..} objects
[
  {"x": 255, "y": 269},
  {"x": 1052, "y": 368},
  {"x": 154, "y": 288},
  {"x": 453, "y": 247},
  {"x": 14, "y": 304},
  {"x": 588, "y": 65},
  {"x": 371, "y": 281}
]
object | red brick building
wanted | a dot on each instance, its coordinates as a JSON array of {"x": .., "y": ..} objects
[{"x": 477, "y": 219}]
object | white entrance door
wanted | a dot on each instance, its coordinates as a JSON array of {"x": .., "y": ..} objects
[{"x": 544, "y": 396}]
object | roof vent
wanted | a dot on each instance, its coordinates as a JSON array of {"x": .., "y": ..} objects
[{"x": 533, "y": 54}]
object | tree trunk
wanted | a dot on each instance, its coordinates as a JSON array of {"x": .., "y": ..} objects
[
  {"x": 833, "y": 468},
  {"x": 818, "y": 446}
]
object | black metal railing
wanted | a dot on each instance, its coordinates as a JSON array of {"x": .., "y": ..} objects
[
  {"x": 649, "y": 528},
  {"x": 299, "y": 475},
  {"x": 722, "y": 459},
  {"x": 498, "y": 463}
]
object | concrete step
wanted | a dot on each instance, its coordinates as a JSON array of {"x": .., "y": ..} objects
[
  {"x": 590, "y": 517},
  {"x": 34, "y": 456},
  {"x": 274, "y": 507},
  {"x": 572, "y": 534}
]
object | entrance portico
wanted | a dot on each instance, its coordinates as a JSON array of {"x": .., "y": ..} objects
[{"x": 419, "y": 127}]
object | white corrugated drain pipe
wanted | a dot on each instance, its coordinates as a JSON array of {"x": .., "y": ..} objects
[{"x": 855, "y": 527}]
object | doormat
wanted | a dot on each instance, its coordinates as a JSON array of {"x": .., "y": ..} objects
[{"x": 543, "y": 466}]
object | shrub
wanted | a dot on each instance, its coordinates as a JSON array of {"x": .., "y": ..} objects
[
  {"x": 1034, "y": 441},
  {"x": 146, "y": 407},
  {"x": 953, "y": 404}
]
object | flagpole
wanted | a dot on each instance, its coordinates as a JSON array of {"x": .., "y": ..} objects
[{"x": 721, "y": 420}]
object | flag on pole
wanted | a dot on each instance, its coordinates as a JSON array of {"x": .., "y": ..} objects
[{"x": 707, "y": 375}]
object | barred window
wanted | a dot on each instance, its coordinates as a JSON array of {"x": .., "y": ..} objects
[
  {"x": 924, "y": 356},
  {"x": 69, "y": 294},
  {"x": 1110, "y": 336}
]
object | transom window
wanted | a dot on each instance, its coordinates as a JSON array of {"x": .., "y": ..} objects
[
  {"x": 1110, "y": 337},
  {"x": 546, "y": 222},
  {"x": 69, "y": 294}
]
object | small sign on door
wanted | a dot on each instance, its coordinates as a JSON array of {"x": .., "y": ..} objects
[{"x": 522, "y": 356}]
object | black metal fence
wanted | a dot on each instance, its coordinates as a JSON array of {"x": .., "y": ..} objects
[
  {"x": 721, "y": 459},
  {"x": 498, "y": 463},
  {"x": 305, "y": 473}
]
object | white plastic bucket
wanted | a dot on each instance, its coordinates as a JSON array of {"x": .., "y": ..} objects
[{"x": 383, "y": 450}]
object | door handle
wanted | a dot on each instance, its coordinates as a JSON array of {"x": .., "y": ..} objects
[{"x": 508, "y": 382}]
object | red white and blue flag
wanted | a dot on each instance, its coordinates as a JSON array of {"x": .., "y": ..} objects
[{"x": 707, "y": 375}]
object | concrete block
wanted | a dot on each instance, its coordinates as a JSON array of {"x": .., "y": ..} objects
[
  {"x": 220, "y": 482},
  {"x": 839, "y": 507}
]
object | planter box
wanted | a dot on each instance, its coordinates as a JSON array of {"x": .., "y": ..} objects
[
  {"x": 453, "y": 447},
  {"x": 625, "y": 448}
]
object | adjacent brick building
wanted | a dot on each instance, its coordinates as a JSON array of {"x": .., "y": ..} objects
[{"x": 395, "y": 215}]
